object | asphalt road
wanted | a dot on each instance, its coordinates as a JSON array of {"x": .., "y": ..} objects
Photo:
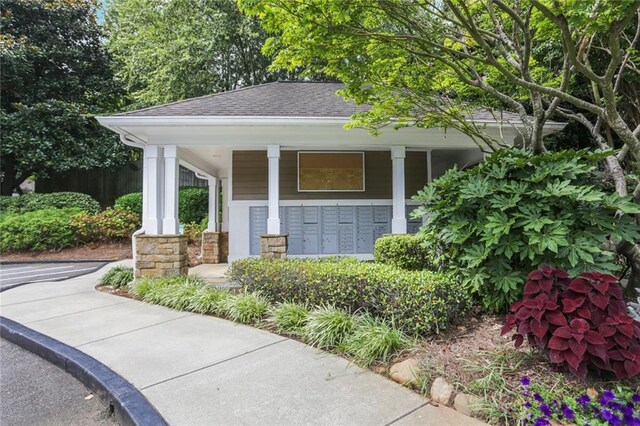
[
  {"x": 34, "y": 392},
  {"x": 16, "y": 274}
]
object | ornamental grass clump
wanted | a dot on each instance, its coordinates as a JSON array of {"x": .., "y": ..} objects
[
  {"x": 289, "y": 318},
  {"x": 620, "y": 406},
  {"x": 208, "y": 300},
  {"x": 327, "y": 327},
  {"x": 246, "y": 308},
  {"x": 373, "y": 340},
  {"x": 117, "y": 277}
]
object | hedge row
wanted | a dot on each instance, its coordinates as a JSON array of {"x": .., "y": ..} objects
[
  {"x": 56, "y": 200},
  {"x": 405, "y": 252},
  {"x": 418, "y": 302},
  {"x": 193, "y": 204}
]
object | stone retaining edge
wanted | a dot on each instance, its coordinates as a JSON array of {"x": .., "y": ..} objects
[{"x": 129, "y": 405}]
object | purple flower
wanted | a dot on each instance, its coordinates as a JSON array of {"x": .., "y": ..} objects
[
  {"x": 545, "y": 410},
  {"x": 541, "y": 421},
  {"x": 635, "y": 398},
  {"x": 537, "y": 397},
  {"x": 583, "y": 400},
  {"x": 567, "y": 412},
  {"x": 610, "y": 417},
  {"x": 525, "y": 381},
  {"x": 606, "y": 398},
  {"x": 615, "y": 406},
  {"x": 527, "y": 404}
]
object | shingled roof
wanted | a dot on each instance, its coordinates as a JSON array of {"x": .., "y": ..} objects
[{"x": 280, "y": 99}]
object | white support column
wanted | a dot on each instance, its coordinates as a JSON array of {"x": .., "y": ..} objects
[
  {"x": 152, "y": 191},
  {"x": 429, "y": 169},
  {"x": 171, "y": 175},
  {"x": 214, "y": 196},
  {"x": 399, "y": 220},
  {"x": 273, "y": 221},
  {"x": 225, "y": 185}
]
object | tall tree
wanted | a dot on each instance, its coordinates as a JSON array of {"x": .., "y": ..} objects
[
  {"x": 55, "y": 75},
  {"x": 430, "y": 62},
  {"x": 177, "y": 49}
]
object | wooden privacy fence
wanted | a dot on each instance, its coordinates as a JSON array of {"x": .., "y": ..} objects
[{"x": 107, "y": 184}]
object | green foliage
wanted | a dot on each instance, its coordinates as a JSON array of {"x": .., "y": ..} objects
[
  {"x": 373, "y": 339},
  {"x": 38, "y": 230},
  {"x": 55, "y": 76},
  {"x": 419, "y": 302},
  {"x": 117, "y": 277},
  {"x": 173, "y": 292},
  {"x": 192, "y": 204},
  {"x": 208, "y": 300},
  {"x": 404, "y": 252},
  {"x": 166, "y": 52},
  {"x": 289, "y": 318},
  {"x": 516, "y": 211},
  {"x": 131, "y": 202},
  {"x": 246, "y": 308},
  {"x": 55, "y": 200},
  {"x": 106, "y": 226},
  {"x": 193, "y": 233},
  {"x": 327, "y": 327}
]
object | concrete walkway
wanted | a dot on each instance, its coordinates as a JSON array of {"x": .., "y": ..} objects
[{"x": 199, "y": 370}]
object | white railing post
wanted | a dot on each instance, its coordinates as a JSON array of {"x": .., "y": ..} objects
[
  {"x": 214, "y": 196},
  {"x": 171, "y": 179},
  {"x": 273, "y": 221},
  {"x": 399, "y": 220},
  {"x": 152, "y": 190}
]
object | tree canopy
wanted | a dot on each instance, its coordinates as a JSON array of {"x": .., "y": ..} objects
[
  {"x": 431, "y": 62},
  {"x": 55, "y": 76},
  {"x": 177, "y": 49}
]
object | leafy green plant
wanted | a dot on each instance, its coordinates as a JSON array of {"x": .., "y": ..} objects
[
  {"x": 246, "y": 308},
  {"x": 289, "y": 317},
  {"x": 38, "y": 230},
  {"x": 516, "y": 211},
  {"x": 327, "y": 327},
  {"x": 173, "y": 292},
  {"x": 106, "y": 226},
  {"x": 193, "y": 233},
  {"x": 373, "y": 339},
  {"x": 405, "y": 252},
  {"x": 419, "y": 302},
  {"x": 55, "y": 200},
  {"x": 192, "y": 204},
  {"x": 117, "y": 277}
]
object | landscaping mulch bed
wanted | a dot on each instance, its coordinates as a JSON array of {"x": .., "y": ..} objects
[{"x": 108, "y": 252}]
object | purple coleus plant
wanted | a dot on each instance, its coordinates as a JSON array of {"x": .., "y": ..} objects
[{"x": 581, "y": 324}]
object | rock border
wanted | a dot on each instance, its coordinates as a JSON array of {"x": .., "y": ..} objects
[{"x": 129, "y": 405}]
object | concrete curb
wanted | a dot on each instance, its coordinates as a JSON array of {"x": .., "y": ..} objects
[
  {"x": 130, "y": 406},
  {"x": 37, "y": 262}
]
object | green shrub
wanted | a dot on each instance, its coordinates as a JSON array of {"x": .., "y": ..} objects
[
  {"x": 246, "y": 308},
  {"x": 38, "y": 230},
  {"x": 405, "y": 252},
  {"x": 173, "y": 292},
  {"x": 193, "y": 233},
  {"x": 117, "y": 277},
  {"x": 326, "y": 327},
  {"x": 193, "y": 204},
  {"x": 130, "y": 202},
  {"x": 289, "y": 318},
  {"x": 419, "y": 302},
  {"x": 373, "y": 339},
  {"x": 106, "y": 226},
  {"x": 516, "y": 211},
  {"x": 55, "y": 200}
]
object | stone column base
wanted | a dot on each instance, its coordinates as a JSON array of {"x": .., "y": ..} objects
[
  {"x": 161, "y": 255},
  {"x": 215, "y": 247},
  {"x": 273, "y": 246}
]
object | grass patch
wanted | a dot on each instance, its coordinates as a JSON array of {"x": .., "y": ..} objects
[
  {"x": 247, "y": 308},
  {"x": 117, "y": 277},
  {"x": 327, "y": 327},
  {"x": 208, "y": 300},
  {"x": 373, "y": 339},
  {"x": 289, "y": 318}
]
